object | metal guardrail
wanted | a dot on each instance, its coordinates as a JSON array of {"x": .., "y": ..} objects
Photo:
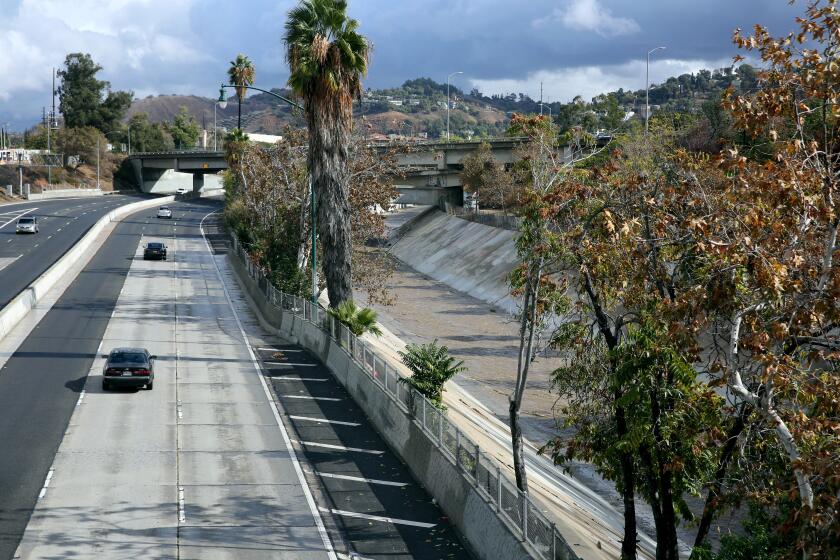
[{"x": 483, "y": 472}]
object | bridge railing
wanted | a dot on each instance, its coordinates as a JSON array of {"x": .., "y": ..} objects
[{"x": 514, "y": 507}]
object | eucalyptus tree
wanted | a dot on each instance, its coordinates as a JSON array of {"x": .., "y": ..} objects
[
  {"x": 327, "y": 57},
  {"x": 241, "y": 74}
]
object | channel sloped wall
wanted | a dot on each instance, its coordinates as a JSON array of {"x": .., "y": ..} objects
[{"x": 472, "y": 258}]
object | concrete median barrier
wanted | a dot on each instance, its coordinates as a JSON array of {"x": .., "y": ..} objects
[{"x": 17, "y": 309}]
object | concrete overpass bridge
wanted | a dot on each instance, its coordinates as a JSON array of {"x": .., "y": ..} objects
[
  {"x": 165, "y": 172},
  {"x": 432, "y": 170}
]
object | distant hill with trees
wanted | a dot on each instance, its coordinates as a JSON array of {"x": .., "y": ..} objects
[{"x": 418, "y": 107}]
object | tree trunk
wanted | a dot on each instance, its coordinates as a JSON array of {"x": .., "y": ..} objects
[
  {"x": 666, "y": 546},
  {"x": 628, "y": 491},
  {"x": 526, "y": 346},
  {"x": 711, "y": 506},
  {"x": 304, "y": 247},
  {"x": 239, "y": 117},
  {"x": 330, "y": 122},
  {"x": 518, "y": 448}
]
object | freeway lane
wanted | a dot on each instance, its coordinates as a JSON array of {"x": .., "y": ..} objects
[
  {"x": 40, "y": 384},
  {"x": 196, "y": 468},
  {"x": 62, "y": 222}
]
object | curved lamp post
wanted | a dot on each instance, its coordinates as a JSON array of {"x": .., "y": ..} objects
[
  {"x": 223, "y": 103},
  {"x": 647, "y": 86}
]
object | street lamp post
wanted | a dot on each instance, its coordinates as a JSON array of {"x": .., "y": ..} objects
[
  {"x": 447, "y": 102},
  {"x": 223, "y": 103},
  {"x": 647, "y": 86}
]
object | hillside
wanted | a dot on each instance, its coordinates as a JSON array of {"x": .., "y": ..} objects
[
  {"x": 418, "y": 107},
  {"x": 385, "y": 113}
]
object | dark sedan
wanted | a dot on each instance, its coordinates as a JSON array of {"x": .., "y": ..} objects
[
  {"x": 129, "y": 367},
  {"x": 154, "y": 251}
]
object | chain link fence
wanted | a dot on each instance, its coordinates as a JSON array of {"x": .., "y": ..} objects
[{"x": 483, "y": 472}]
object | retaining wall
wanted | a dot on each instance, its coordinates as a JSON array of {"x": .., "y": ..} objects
[
  {"x": 63, "y": 193},
  {"x": 414, "y": 430}
]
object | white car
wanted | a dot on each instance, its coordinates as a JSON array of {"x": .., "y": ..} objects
[
  {"x": 181, "y": 190},
  {"x": 27, "y": 224},
  {"x": 164, "y": 212}
]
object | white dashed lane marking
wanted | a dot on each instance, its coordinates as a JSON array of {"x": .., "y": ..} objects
[
  {"x": 341, "y": 447},
  {"x": 308, "y": 398},
  {"x": 46, "y": 484},
  {"x": 394, "y": 520},
  {"x": 361, "y": 479},
  {"x": 324, "y": 421}
]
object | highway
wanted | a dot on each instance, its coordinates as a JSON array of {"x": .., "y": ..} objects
[
  {"x": 206, "y": 465},
  {"x": 23, "y": 257}
]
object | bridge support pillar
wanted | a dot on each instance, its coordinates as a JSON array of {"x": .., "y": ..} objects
[{"x": 198, "y": 182}]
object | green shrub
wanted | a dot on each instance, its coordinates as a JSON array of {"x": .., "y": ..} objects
[
  {"x": 431, "y": 367},
  {"x": 358, "y": 320}
]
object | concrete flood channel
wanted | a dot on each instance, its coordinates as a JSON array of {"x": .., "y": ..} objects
[{"x": 366, "y": 495}]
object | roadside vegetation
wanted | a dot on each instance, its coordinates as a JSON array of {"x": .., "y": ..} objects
[
  {"x": 358, "y": 320},
  {"x": 688, "y": 279},
  {"x": 431, "y": 366}
]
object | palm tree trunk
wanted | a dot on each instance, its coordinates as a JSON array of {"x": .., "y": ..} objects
[
  {"x": 239, "y": 118},
  {"x": 329, "y": 136}
]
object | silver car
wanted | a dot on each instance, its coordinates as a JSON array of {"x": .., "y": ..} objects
[
  {"x": 164, "y": 212},
  {"x": 27, "y": 224}
]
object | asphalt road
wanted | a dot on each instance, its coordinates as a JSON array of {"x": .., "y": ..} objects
[
  {"x": 203, "y": 466},
  {"x": 62, "y": 222},
  {"x": 374, "y": 503},
  {"x": 41, "y": 382}
]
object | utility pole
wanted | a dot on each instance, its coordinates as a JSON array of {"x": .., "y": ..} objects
[
  {"x": 541, "y": 98},
  {"x": 448, "y": 103},
  {"x": 97, "y": 161},
  {"x": 20, "y": 171},
  {"x": 49, "y": 120}
]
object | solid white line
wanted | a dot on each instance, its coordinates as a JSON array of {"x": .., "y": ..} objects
[
  {"x": 319, "y": 522},
  {"x": 307, "y": 398},
  {"x": 18, "y": 216},
  {"x": 289, "y": 364},
  {"x": 360, "y": 479},
  {"x": 340, "y": 447},
  {"x": 324, "y": 420},
  {"x": 81, "y": 398},
  {"x": 287, "y": 378},
  {"x": 380, "y": 518},
  {"x": 46, "y": 484}
]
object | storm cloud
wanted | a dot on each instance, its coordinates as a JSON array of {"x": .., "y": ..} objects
[{"x": 575, "y": 47}]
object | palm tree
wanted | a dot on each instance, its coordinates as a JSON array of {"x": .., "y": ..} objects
[
  {"x": 358, "y": 320},
  {"x": 241, "y": 74},
  {"x": 327, "y": 59}
]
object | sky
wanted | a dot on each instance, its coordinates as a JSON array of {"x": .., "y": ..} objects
[{"x": 574, "y": 47}]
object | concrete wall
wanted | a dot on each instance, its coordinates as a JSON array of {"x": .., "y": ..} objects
[
  {"x": 469, "y": 257},
  {"x": 167, "y": 181},
  {"x": 487, "y": 535},
  {"x": 63, "y": 193}
]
